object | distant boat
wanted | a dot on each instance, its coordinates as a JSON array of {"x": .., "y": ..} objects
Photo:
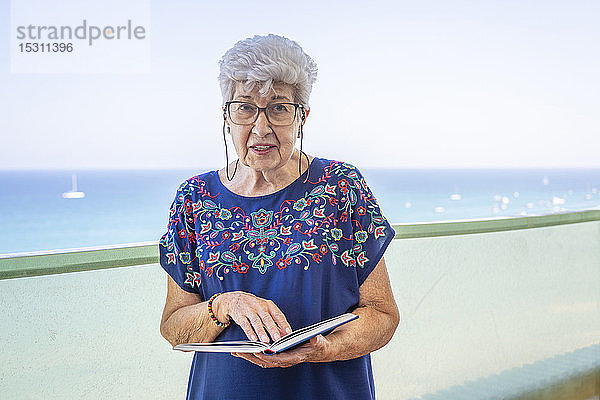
[
  {"x": 73, "y": 193},
  {"x": 455, "y": 196},
  {"x": 557, "y": 201}
]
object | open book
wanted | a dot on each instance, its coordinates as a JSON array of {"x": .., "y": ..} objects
[{"x": 290, "y": 340}]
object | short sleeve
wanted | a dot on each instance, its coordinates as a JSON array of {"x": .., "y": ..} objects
[
  {"x": 371, "y": 231},
  {"x": 177, "y": 246}
]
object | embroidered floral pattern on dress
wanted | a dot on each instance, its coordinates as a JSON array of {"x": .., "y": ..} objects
[{"x": 330, "y": 223}]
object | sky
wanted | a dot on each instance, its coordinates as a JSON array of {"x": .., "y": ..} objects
[{"x": 401, "y": 84}]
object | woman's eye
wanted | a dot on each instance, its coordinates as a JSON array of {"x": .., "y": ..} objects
[
  {"x": 279, "y": 108},
  {"x": 246, "y": 107}
]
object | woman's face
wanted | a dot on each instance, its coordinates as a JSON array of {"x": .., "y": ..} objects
[{"x": 261, "y": 145}]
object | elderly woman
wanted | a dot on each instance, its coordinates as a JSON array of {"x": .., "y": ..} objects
[{"x": 275, "y": 241}]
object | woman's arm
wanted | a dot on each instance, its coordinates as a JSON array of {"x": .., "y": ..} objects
[
  {"x": 185, "y": 316},
  {"x": 378, "y": 319}
]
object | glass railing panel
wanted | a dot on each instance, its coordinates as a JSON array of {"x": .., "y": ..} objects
[
  {"x": 476, "y": 305},
  {"x": 481, "y": 301}
]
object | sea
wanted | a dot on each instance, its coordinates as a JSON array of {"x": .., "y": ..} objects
[{"x": 131, "y": 206}]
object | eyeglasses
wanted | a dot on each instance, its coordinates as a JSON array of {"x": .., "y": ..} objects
[{"x": 279, "y": 114}]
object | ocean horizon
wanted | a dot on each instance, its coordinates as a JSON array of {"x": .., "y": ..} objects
[{"x": 131, "y": 206}]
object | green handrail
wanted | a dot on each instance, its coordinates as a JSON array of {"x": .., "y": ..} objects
[{"x": 76, "y": 260}]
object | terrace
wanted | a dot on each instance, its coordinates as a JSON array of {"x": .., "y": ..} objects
[{"x": 491, "y": 309}]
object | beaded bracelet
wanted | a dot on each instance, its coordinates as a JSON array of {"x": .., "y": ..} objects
[{"x": 212, "y": 315}]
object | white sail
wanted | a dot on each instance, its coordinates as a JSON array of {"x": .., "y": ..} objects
[{"x": 73, "y": 193}]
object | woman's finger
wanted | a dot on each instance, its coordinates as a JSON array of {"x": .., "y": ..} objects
[
  {"x": 257, "y": 325},
  {"x": 279, "y": 318},
  {"x": 271, "y": 326},
  {"x": 259, "y": 318},
  {"x": 244, "y": 323},
  {"x": 252, "y": 358}
]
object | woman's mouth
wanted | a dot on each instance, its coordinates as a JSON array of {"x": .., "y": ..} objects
[{"x": 262, "y": 149}]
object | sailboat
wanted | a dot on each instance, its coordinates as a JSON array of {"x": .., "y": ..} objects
[{"x": 73, "y": 193}]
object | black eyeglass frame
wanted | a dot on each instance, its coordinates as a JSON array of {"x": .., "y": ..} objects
[{"x": 227, "y": 111}]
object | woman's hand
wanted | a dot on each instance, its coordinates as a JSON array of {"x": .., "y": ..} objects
[
  {"x": 258, "y": 317},
  {"x": 378, "y": 320},
  {"x": 313, "y": 351}
]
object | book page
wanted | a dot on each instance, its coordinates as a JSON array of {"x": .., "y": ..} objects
[
  {"x": 224, "y": 347},
  {"x": 303, "y": 334}
]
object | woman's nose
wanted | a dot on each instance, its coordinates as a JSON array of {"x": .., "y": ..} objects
[{"x": 262, "y": 125}]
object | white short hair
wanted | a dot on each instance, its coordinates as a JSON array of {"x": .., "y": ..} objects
[{"x": 264, "y": 60}]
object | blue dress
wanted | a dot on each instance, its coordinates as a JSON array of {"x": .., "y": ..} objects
[{"x": 307, "y": 247}]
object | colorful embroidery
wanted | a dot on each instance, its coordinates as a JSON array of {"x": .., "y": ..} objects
[{"x": 331, "y": 222}]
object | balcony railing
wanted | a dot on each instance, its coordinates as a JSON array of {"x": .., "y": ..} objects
[{"x": 506, "y": 308}]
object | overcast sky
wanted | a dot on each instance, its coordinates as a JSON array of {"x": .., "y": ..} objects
[{"x": 400, "y": 84}]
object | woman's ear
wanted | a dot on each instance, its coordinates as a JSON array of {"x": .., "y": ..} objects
[
  {"x": 226, "y": 122},
  {"x": 303, "y": 115},
  {"x": 305, "y": 112}
]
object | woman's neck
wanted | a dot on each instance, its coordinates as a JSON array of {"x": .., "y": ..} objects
[{"x": 252, "y": 183}]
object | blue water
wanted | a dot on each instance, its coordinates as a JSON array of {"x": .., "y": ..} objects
[{"x": 132, "y": 206}]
